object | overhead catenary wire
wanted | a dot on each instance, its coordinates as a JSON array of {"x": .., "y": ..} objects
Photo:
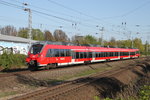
[
  {"x": 44, "y": 9},
  {"x": 10, "y": 4},
  {"x": 51, "y": 11},
  {"x": 50, "y": 15},
  {"x": 35, "y": 11},
  {"x": 21, "y": 7},
  {"x": 81, "y": 13},
  {"x": 101, "y": 19}
]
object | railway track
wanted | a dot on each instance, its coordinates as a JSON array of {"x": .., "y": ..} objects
[
  {"x": 26, "y": 71},
  {"x": 55, "y": 92}
]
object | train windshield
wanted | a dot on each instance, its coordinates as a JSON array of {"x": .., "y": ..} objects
[{"x": 35, "y": 49}]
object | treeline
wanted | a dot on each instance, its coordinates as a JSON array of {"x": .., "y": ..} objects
[{"x": 60, "y": 35}]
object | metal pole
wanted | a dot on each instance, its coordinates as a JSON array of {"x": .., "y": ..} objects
[
  {"x": 102, "y": 36},
  {"x": 101, "y": 33},
  {"x": 29, "y": 23},
  {"x": 132, "y": 42},
  {"x": 0, "y": 30}
]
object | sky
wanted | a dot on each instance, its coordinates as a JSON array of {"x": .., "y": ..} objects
[{"x": 121, "y": 19}]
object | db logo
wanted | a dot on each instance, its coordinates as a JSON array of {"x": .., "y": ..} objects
[{"x": 62, "y": 58}]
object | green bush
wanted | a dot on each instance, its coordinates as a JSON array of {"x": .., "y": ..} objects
[
  {"x": 8, "y": 61},
  {"x": 145, "y": 93}
]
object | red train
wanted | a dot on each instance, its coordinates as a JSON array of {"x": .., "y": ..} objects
[{"x": 52, "y": 54}]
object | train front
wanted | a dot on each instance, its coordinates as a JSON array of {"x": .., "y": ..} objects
[{"x": 33, "y": 56}]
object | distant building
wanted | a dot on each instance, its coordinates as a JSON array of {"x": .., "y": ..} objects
[{"x": 14, "y": 44}]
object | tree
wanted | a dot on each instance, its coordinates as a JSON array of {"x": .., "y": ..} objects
[
  {"x": 138, "y": 44},
  {"x": 89, "y": 39},
  {"x": 48, "y": 36},
  {"x": 37, "y": 34},
  {"x": 9, "y": 30},
  {"x": 78, "y": 39},
  {"x": 23, "y": 32},
  {"x": 146, "y": 47},
  {"x": 124, "y": 43},
  {"x": 59, "y": 35},
  {"x": 112, "y": 42}
]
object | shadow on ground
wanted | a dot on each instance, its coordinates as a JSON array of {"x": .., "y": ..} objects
[{"x": 28, "y": 80}]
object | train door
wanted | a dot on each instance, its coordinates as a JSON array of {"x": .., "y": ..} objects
[
  {"x": 73, "y": 57},
  {"x": 49, "y": 56}
]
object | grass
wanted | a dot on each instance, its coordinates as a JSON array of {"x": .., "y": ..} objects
[
  {"x": 5, "y": 94},
  {"x": 96, "y": 98}
]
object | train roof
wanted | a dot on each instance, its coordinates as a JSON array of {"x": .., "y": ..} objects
[{"x": 83, "y": 48}]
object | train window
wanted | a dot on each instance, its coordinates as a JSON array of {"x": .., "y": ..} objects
[
  {"x": 81, "y": 54},
  {"x": 121, "y": 54},
  {"x": 96, "y": 54},
  {"x": 73, "y": 54},
  {"x": 107, "y": 54},
  {"x": 56, "y": 52},
  {"x": 90, "y": 55},
  {"x": 99, "y": 55},
  {"x": 102, "y": 54},
  {"x": 77, "y": 55},
  {"x": 68, "y": 53},
  {"x": 48, "y": 53},
  {"x": 93, "y": 54},
  {"x": 62, "y": 53},
  {"x": 116, "y": 53},
  {"x": 35, "y": 49},
  {"x": 137, "y": 52},
  {"x": 132, "y": 53},
  {"x": 112, "y": 54},
  {"x": 84, "y": 55}
]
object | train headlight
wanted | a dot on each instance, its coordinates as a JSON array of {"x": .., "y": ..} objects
[{"x": 32, "y": 62}]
